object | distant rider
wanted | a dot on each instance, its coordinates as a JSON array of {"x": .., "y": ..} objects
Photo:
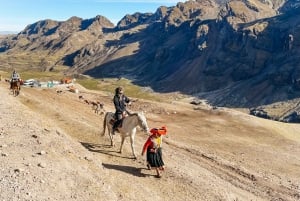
[{"x": 14, "y": 78}]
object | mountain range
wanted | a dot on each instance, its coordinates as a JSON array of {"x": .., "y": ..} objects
[{"x": 233, "y": 53}]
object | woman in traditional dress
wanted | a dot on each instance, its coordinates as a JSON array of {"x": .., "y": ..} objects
[{"x": 153, "y": 148}]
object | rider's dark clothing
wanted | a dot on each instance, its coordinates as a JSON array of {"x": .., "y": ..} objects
[{"x": 120, "y": 102}]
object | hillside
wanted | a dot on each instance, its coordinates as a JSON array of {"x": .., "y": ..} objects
[
  {"x": 51, "y": 149},
  {"x": 238, "y": 53}
]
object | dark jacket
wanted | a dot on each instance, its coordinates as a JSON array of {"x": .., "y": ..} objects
[{"x": 120, "y": 102}]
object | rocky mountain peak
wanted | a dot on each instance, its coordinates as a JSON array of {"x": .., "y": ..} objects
[
  {"x": 96, "y": 25},
  {"x": 245, "y": 11},
  {"x": 161, "y": 12},
  {"x": 133, "y": 20},
  {"x": 103, "y": 21},
  {"x": 219, "y": 50},
  {"x": 188, "y": 11},
  {"x": 40, "y": 27},
  {"x": 71, "y": 25}
]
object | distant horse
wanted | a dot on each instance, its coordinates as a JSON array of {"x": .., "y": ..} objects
[
  {"x": 15, "y": 86},
  {"x": 98, "y": 107},
  {"x": 128, "y": 128}
]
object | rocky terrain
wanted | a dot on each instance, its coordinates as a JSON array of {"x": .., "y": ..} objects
[
  {"x": 238, "y": 53},
  {"x": 51, "y": 149}
]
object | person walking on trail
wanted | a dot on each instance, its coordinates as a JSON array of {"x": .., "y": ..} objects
[
  {"x": 120, "y": 102},
  {"x": 154, "y": 152}
]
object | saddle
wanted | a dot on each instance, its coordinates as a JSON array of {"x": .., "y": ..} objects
[{"x": 112, "y": 121}]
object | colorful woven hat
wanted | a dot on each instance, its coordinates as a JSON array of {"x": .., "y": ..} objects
[{"x": 161, "y": 131}]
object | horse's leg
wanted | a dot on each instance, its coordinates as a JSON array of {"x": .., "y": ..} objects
[
  {"x": 109, "y": 128},
  {"x": 111, "y": 137},
  {"x": 132, "y": 145},
  {"x": 11, "y": 90},
  {"x": 19, "y": 87},
  {"x": 122, "y": 142},
  {"x": 112, "y": 143}
]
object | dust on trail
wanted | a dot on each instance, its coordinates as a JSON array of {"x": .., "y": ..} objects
[{"x": 51, "y": 149}]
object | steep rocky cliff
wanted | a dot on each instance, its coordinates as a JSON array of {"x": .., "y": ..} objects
[{"x": 237, "y": 53}]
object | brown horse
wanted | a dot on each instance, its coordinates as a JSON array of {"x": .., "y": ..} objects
[{"x": 15, "y": 86}]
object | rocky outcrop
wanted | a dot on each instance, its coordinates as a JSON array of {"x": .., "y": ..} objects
[
  {"x": 136, "y": 19},
  {"x": 238, "y": 53},
  {"x": 294, "y": 117},
  {"x": 63, "y": 37},
  {"x": 259, "y": 113}
]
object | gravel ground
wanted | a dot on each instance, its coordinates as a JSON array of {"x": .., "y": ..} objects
[{"x": 51, "y": 149}]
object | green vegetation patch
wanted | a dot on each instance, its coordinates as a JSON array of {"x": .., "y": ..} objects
[{"x": 109, "y": 85}]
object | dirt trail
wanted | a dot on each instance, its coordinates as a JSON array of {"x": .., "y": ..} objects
[{"x": 51, "y": 149}]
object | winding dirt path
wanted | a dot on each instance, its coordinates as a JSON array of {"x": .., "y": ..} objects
[{"x": 51, "y": 149}]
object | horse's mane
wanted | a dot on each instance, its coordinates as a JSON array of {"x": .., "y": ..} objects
[{"x": 134, "y": 113}]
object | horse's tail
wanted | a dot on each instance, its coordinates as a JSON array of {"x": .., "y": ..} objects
[{"x": 104, "y": 124}]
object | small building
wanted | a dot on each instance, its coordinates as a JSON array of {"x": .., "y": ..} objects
[{"x": 66, "y": 80}]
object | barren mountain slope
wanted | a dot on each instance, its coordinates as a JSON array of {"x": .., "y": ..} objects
[
  {"x": 234, "y": 53},
  {"x": 51, "y": 149}
]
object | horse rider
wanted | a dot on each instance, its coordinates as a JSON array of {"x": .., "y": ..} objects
[
  {"x": 120, "y": 102},
  {"x": 14, "y": 77}
]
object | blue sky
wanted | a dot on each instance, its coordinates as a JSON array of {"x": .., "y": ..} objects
[{"x": 15, "y": 15}]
